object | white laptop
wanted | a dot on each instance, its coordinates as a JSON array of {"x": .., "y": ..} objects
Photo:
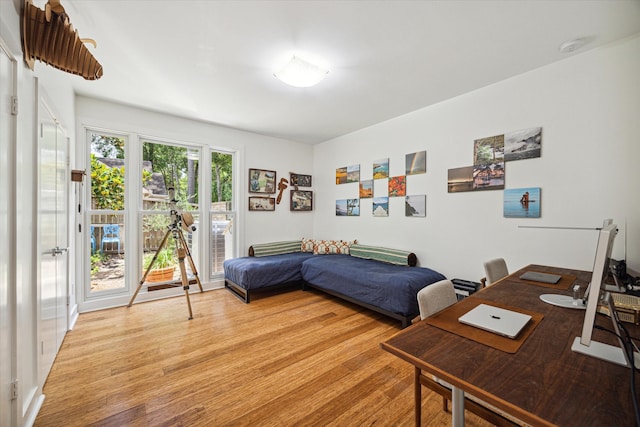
[{"x": 497, "y": 320}]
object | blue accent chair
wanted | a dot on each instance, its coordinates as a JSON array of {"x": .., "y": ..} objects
[
  {"x": 93, "y": 240},
  {"x": 110, "y": 234}
]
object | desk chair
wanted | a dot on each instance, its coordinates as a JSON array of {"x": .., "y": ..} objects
[
  {"x": 93, "y": 239},
  {"x": 432, "y": 299},
  {"x": 494, "y": 270},
  {"x": 110, "y": 234}
]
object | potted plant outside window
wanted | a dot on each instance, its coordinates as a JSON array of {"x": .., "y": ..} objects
[{"x": 163, "y": 267}]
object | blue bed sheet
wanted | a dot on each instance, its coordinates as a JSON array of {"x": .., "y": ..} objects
[
  {"x": 259, "y": 272},
  {"x": 391, "y": 287}
]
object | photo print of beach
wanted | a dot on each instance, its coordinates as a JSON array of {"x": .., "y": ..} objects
[
  {"x": 523, "y": 144},
  {"x": 353, "y": 173},
  {"x": 460, "y": 179},
  {"x": 488, "y": 163},
  {"x": 416, "y": 163},
  {"x": 380, "y": 206},
  {"x": 522, "y": 203},
  {"x": 381, "y": 169},
  {"x": 366, "y": 189},
  {"x": 348, "y": 207},
  {"x": 415, "y": 205},
  {"x": 398, "y": 186}
]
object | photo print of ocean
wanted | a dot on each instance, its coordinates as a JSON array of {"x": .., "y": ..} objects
[
  {"x": 381, "y": 169},
  {"x": 416, "y": 163},
  {"x": 460, "y": 179},
  {"x": 348, "y": 207},
  {"x": 415, "y": 205},
  {"x": 522, "y": 202},
  {"x": 523, "y": 144},
  {"x": 380, "y": 206}
]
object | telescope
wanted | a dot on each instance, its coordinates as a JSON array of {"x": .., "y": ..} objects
[{"x": 183, "y": 220}]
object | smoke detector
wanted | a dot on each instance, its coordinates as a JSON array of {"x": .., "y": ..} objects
[{"x": 572, "y": 45}]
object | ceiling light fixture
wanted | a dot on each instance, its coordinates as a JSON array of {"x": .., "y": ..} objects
[{"x": 300, "y": 73}]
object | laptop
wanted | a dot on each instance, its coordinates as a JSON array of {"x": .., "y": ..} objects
[
  {"x": 497, "y": 320},
  {"x": 541, "y": 277}
]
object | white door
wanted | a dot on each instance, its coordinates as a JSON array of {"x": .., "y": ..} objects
[
  {"x": 7, "y": 302},
  {"x": 52, "y": 239}
]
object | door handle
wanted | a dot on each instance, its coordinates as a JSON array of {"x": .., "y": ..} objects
[{"x": 58, "y": 251}]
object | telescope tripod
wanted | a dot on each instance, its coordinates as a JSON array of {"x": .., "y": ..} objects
[{"x": 183, "y": 252}]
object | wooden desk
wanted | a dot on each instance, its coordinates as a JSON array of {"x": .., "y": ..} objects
[{"x": 544, "y": 382}]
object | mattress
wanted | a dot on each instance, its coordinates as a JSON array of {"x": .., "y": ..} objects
[
  {"x": 259, "y": 272},
  {"x": 390, "y": 287}
]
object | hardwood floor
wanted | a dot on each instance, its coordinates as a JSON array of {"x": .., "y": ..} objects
[{"x": 293, "y": 358}]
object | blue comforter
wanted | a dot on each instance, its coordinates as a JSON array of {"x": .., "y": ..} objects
[
  {"x": 259, "y": 272},
  {"x": 391, "y": 287}
]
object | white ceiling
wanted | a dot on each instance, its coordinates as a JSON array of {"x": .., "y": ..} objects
[{"x": 214, "y": 60}]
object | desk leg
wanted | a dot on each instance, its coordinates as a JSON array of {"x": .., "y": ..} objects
[
  {"x": 457, "y": 407},
  {"x": 417, "y": 393}
]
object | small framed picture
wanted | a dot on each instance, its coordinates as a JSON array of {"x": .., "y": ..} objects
[
  {"x": 262, "y": 181},
  {"x": 298, "y": 180},
  {"x": 301, "y": 200},
  {"x": 262, "y": 203}
]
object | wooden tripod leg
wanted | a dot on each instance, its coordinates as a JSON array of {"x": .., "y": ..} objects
[
  {"x": 185, "y": 280},
  {"x": 191, "y": 263},
  {"x": 153, "y": 261}
]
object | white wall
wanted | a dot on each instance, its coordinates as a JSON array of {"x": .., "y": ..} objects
[
  {"x": 255, "y": 151},
  {"x": 589, "y": 108}
]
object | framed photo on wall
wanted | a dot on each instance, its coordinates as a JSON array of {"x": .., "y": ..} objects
[
  {"x": 262, "y": 181},
  {"x": 262, "y": 203},
  {"x": 301, "y": 200},
  {"x": 299, "y": 180}
]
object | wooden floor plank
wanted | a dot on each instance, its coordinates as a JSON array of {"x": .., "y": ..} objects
[{"x": 289, "y": 358}]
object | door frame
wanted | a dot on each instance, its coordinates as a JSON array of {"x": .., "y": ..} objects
[{"x": 8, "y": 331}]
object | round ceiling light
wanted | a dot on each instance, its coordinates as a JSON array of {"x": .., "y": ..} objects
[{"x": 300, "y": 73}]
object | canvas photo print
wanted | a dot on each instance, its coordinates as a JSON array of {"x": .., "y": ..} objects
[
  {"x": 380, "y": 206},
  {"x": 488, "y": 163},
  {"x": 348, "y": 207},
  {"x": 460, "y": 179},
  {"x": 353, "y": 173},
  {"x": 397, "y": 186},
  {"x": 381, "y": 169},
  {"x": 366, "y": 189},
  {"x": 416, "y": 163},
  {"x": 415, "y": 205},
  {"x": 522, "y": 203},
  {"x": 523, "y": 144}
]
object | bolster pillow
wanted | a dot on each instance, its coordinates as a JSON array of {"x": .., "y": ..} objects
[
  {"x": 274, "y": 248},
  {"x": 391, "y": 256}
]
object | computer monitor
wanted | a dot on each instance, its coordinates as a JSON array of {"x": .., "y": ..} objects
[{"x": 596, "y": 292}]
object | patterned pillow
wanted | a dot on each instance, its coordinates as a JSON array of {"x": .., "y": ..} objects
[
  {"x": 307, "y": 245},
  {"x": 274, "y": 248},
  {"x": 325, "y": 247},
  {"x": 391, "y": 256}
]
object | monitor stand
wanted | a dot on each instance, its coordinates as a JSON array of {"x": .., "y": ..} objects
[
  {"x": 610, "y": 353},
  {"x": 565, "y": 301}
]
